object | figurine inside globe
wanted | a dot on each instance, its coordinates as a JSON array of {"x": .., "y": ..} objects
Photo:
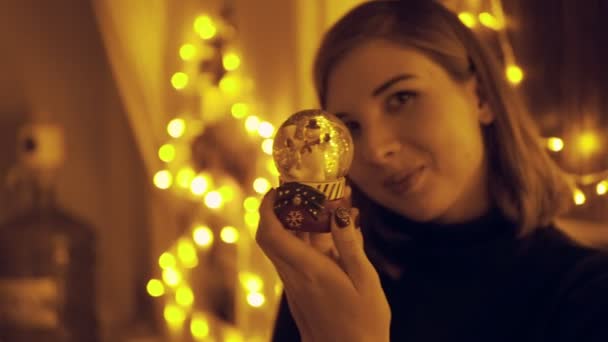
[{"x": 313, "y": 151}]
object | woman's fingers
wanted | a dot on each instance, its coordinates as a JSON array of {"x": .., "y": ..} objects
[
  {"x": 324, "y": 243},
  {"x": 304, "y": 236},
  {"x": 294, "y": 308},
  {"x": 354, "y": 213},
  {"x": 279, "y": 243},
  {"x": 350, "y": 248},
  {"x": 348, "y": 195}
]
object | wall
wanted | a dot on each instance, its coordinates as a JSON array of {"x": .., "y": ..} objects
[{"x": 52, "y": 60}]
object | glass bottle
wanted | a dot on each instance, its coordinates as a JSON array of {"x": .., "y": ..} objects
[{"x": 47, "y": 257}]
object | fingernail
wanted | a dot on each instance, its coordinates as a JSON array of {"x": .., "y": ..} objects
[{"x": 342, "y": 216}]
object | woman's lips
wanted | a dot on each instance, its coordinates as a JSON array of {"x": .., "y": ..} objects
[{"x": 405, "y": 182}]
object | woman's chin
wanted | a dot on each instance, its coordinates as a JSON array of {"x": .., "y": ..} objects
[{"x": 419, "y": 213}]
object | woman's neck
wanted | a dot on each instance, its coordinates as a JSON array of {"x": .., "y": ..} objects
[{"x": 474, "y": 202}]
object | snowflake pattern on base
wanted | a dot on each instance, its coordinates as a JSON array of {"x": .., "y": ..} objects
[{"x": 295, "y": 218}]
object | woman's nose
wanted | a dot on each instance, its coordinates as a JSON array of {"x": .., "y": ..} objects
[{"x": 381, "y": 148}]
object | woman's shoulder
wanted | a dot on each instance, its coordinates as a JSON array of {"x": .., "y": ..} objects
[
  {"x": 555, "y": 247},
  {"x": 580, "y": 261},
  {"x": 565, "y": 241},
  {"x": 565, "y": 267},
  {"x": 576, "y": 278}
]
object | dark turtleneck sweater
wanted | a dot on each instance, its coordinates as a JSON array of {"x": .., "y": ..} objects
[{"x": 479, "y": 281}]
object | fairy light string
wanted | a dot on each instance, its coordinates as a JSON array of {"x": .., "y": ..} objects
[
  {"x": 587, "y": 142},
  {"x": 224, "y": 207},
  {"x": 223, "y": 211}
]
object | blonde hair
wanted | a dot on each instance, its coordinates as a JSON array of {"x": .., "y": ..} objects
[{"x": 525, "y": 183}]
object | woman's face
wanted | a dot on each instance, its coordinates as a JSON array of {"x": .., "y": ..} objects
[{"x": 418, "y": 144}]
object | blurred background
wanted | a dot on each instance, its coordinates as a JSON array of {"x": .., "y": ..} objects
[{"x": 143, "y": 130}]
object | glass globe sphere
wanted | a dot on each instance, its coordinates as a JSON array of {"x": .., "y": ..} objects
[{"x": 312, "y": 146}]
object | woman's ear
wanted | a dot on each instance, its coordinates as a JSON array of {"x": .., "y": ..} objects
[{"x": 486, "y": 114}]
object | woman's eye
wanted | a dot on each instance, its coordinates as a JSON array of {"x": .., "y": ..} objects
[
  {"x": 352, "y": 126},
  {"x": 399, "y": 99}
]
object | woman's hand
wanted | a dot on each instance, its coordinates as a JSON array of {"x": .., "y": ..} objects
[{"x": 329, "y": 300}]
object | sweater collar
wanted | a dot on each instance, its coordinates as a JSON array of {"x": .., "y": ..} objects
[{"x": 398, "y": 238}]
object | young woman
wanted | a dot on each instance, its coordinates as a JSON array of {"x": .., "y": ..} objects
[{"x": 456, "y": 198}]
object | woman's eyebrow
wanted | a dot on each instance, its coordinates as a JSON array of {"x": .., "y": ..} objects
[
  {"x": 384, "y": 86},
  {"x": 341, "y": 115}
]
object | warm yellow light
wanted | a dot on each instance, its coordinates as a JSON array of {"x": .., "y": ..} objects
[
  {"x": 206, "y": 51},
  {"x": 174, "y": 315},
  {"x": 251, "y": 282},
  {"x": 227, "y": 192},
  {"x": 251, "y": 204},
  {"x": 555, "y": 144},
  {"x": 272, "y": 167},
  {"x": 166, "y": 153},
  {"x": 252, "y": 123},
  {"x": 233, "y": 336},
  {"x": 468, "y": 19},
  {"x": 588, "y": 143},
  {"x": 184, "y": 177},
  {"x": 187, "y": 253},
  {"x": 251, "y": 220},
  {"x": 200, "y": 185},
  {"x": 255, "y": 299},
  {"x": 489, "y": 21},
  {"x": 204, "y": 26},
  {"x": 514, "y": 74},
  {"x": 231, "y": 61},
  {"x": 187, "y": 52},
  {"x": 602, "y": 187},
  {"x": 229, "y": 234},
  {"x": 202, "y": 236},
  {"x": 254, "y": 284},
  {"x": 199, "y": 327},
  {"x": 179, "y": 80},
  {"x": 166, "y": 260},
  {"x": 184, "y": 296},
  {"x": 265, "y": 129},
  {"x": 214, "y": 102},
  {"x": 239, "y": 110},
  {"x": 155, "y": 288},
  {"x": 172, "y": 277},
  {"x": 579, "y": 197},
  {"x": 176, "y": 128},
  {"x": 261, "y": 185},
  {"x": 230, "y": 85},
  {"x": 214, "y": 200},
  {"x": 163, "y": 179},
  {"x": 267, "y": 146}
]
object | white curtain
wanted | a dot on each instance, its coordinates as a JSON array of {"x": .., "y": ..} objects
[
  {"x": 142, "y": 37},
  {"x": 135, "y": 33}
]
